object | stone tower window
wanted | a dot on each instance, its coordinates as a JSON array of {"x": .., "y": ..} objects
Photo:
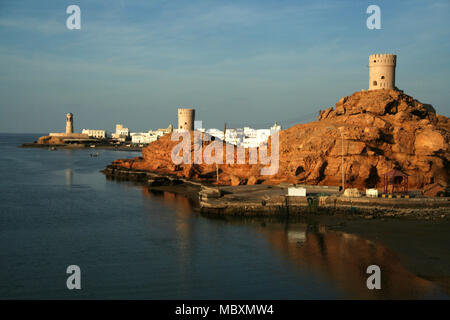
[
  {"x": 382, "y": 77},
  {"x": 374, "y": 83},
  {"x": 374, "y": 60},
  {"x": 185, "y": 123}
]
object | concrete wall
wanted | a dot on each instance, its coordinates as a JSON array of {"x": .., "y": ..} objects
[
  {"x": 382, "y": 71},
  {"x": 186, "y": 119}
]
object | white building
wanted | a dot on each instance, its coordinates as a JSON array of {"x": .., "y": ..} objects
[
  {"x": 147, "y": 137},
  {"x": 215, "y": 133},
  {"x": 234, "y": 136},
  {"x": 99, "y": 134},
  {"x": 255, "y": 137},
  {"x": 157, "y": 133},
  {"x": 243, "y": 137},
  {"x": 122, "y": 134},
  {"x": 143, "y": 138}
]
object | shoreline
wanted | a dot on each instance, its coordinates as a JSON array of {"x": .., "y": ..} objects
[
  {"x": 80, "y": 146},
  {"x": 272, "y": 200}
]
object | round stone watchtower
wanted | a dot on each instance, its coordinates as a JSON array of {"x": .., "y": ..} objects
[
  {"x": 69, "y": 123},
  {"x": 382, "y": 71},
  {"x": 186, "y": 119}
]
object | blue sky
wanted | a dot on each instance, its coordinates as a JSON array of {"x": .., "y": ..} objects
[{"x": 240, "y": 62}]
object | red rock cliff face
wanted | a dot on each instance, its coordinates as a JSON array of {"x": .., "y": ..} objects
[{"x": 382, "y": 130}]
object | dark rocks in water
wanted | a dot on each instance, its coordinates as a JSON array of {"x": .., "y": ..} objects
[{"x": 151, "y": 179}]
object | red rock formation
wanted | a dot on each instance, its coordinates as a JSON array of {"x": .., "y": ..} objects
[
  {"x": 382, "y": 130},
  {"x": 50, "y": 140},
  {"x": 157, "y": 158}
]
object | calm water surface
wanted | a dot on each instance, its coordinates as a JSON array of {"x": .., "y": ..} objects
[{"x": 57, "y": 209}]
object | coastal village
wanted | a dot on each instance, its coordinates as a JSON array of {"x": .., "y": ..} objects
[
  {"x": 245, "y": 137},
  {"x": 378, "y": 151}
]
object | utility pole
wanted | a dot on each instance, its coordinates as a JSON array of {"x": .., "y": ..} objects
[
  {"x": 224, "y": 140},
  {"x": 217, "y": 172}
]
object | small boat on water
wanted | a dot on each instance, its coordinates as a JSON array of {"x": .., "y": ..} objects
[{"x": 51, "y": 149}]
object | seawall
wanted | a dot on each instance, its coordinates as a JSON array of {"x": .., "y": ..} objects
[{"x": 269, "y": 200}]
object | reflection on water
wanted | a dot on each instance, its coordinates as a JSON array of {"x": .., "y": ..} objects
[
  {"x": 181, "y": 204},
  {"x": 343, "y": 259},
  {"x": 183, "y": 225},
  {"x": 337, "y": 257},
  {"x": 69, "y": 177}
]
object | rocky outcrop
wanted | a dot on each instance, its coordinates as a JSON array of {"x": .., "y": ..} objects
[
  {"x": 377, "y": 130},
  {"x": 50, "y": 140}
]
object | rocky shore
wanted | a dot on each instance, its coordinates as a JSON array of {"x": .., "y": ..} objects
[
  {"x": 375, "y": 131},
  {"x": 272, "y": 200}
]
